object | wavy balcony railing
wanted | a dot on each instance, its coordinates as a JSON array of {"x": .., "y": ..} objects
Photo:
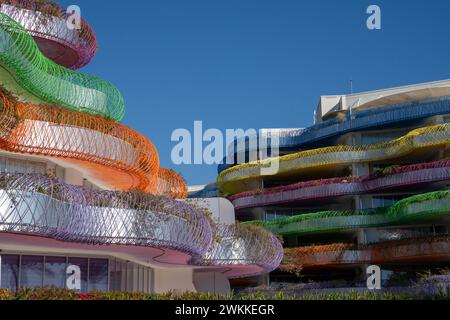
[
  {"x": 171, "y": 184},
  {"x": 119, "y": 157},
  {"x": 419, "y": 250},
  {"x": 363, "y": 120},
  {"x": 50, "y": 82},
  {"x": 46, "y": 21},
  {"x": 235, "y": 180},
  {"x": 41, "y": 206},
  {"x": 335, "y": 187},
  {"x": 427, "y": 206},
  {"x": 244, "y": 251}
]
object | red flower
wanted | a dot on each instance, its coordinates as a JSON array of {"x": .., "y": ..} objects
[{"x": 83, "y": 296}]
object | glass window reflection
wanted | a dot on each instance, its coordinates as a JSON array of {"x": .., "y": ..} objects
[
  {"x": 31, "y": 271},
  {"x": 10, "y": 272},
  {"x": 98, "y": 275},
  {"x": 55, "y": 272}
]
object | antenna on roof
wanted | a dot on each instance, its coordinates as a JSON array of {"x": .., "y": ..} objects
[{"x": 351, "y": 86}]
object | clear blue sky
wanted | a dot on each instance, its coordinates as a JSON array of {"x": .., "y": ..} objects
[{"x": 256, "y": 63}]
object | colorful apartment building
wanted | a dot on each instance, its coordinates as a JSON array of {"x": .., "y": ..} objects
[
  {"x": 84, "y": 202},
  {"x": 367, "y": 184}
]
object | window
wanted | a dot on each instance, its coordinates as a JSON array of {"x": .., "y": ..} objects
[
  {"x": 55, "y": 272},
  {"x": 127, "y": 276},
  {"x": 13, "y": 165},
  {"x": 385, "y": 201},
  {"x": 371, "y": 138},
  {"x": 270, "y": 216},
  {"x": 278, "y": 214},
  {"x": 98, "y": 275},
  {"x": 10, "y": 272},
  {"x": 115, "y": 276},
  {"x": 31, "y": 271}
]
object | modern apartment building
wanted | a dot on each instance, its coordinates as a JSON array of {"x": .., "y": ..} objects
[
  {"x": 367, "y": 184},
  {"x": 84, "y": 203}
]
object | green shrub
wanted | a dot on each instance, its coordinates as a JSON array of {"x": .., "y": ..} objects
[
  {"x": 46, "y": 293},
  {"x": 51, "y": 293},
  {"x": 5, "y": 294}
]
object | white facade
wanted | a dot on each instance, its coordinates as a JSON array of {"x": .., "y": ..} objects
[{"x": 330, "y": 105}]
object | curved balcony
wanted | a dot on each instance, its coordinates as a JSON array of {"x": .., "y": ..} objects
[
  {"x": 47, "y": 23},
  {"x": 403, "y": 251},
  {"x": 429, "y": 206},
  {"x": 22, "y": 60},
  {"x": 363, "y": 120},
  {"x": 41, "y": 206},
  {"x": 236, "y": 179},
  {"x": 126, "y": 158},
  {"x": 48, "y": 212},
  {"x": 171, "y": 184},
  {"x": 32, "y": 205},
  {"x": 243, "y": 251},
  {"x": 329, "y": 188},
  {"x": 108, "y": 152}
]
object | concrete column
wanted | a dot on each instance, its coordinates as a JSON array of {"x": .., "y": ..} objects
[
  {"x": 175, "y": 280},
  {"x": 222, "y": 210},
  {"x": 211, "y": 282}
]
